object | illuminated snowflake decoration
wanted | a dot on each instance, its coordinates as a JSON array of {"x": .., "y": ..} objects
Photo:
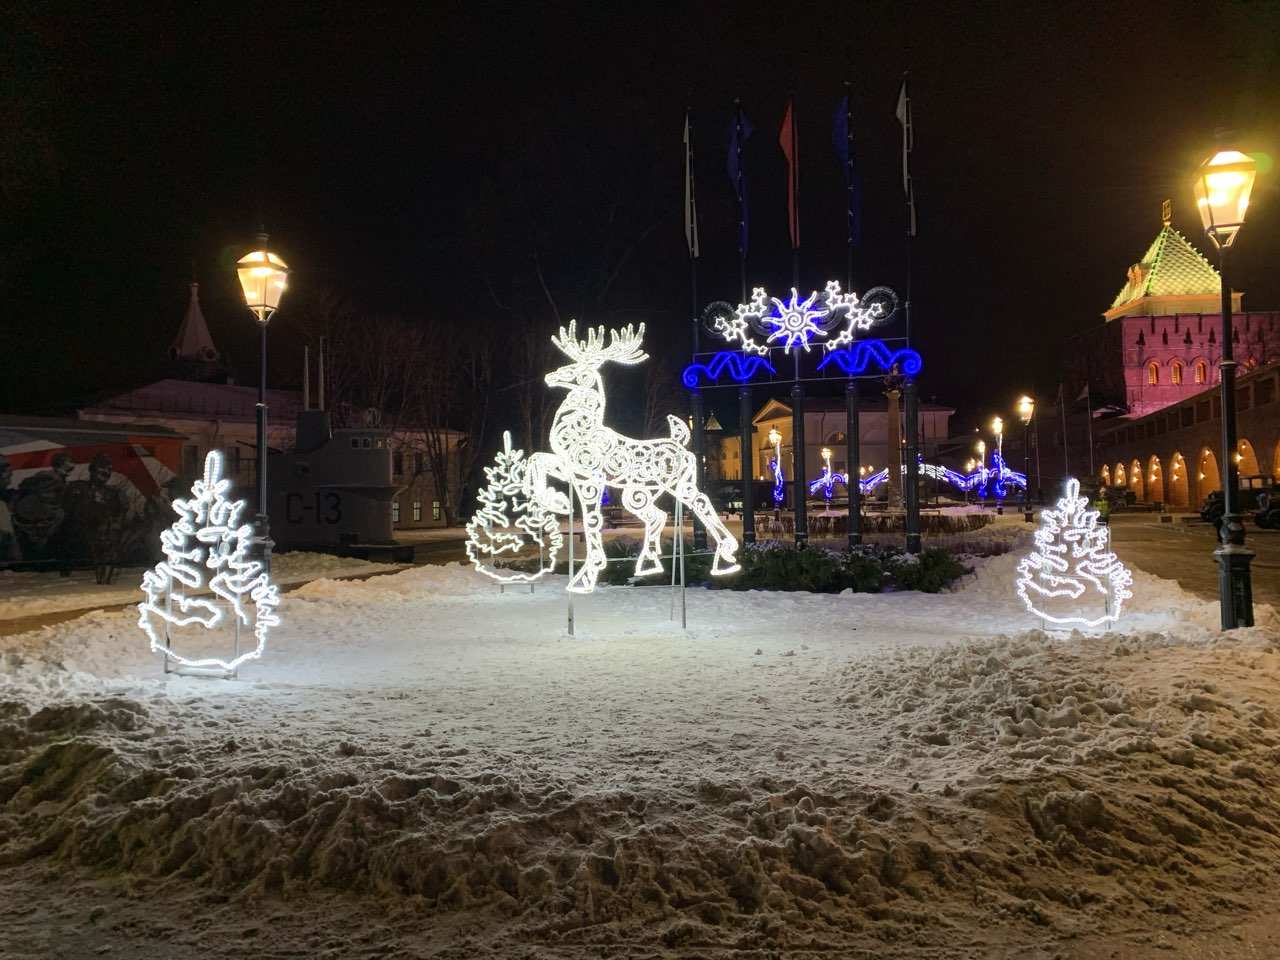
[
  {"x": 797, "y": 324},
  {"x": 793, "y": 321}
]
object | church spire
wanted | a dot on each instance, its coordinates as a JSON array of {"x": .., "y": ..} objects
[{"x": 193, "y": 343}]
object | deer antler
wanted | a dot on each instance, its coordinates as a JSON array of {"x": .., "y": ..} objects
[{"x": 624, "y": 345}]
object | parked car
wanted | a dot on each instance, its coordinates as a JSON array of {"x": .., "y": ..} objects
[
  {"x": 1213, "y": 508},
  {"x": 1268, "y": 515}
]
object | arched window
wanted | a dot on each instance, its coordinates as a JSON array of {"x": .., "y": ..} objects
[
  {"x": 1175, "y": 372},
  {"x": 1202, "y": 372},
  {"x": 1153, "y": 373}
]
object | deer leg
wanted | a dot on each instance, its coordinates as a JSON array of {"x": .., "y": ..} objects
[
  {"x": 584, "y": 578},
  {"x": 639, "y": 501},
  {"x": 725, "y": 560}
]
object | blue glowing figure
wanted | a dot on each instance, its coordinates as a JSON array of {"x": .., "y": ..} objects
[{"x": 739, "y": 366}]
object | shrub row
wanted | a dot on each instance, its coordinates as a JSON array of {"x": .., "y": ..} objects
[{"x": 775, "y": 565}]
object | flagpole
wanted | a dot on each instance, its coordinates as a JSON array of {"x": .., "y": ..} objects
[
  {"x": 909, "y": 188},
  {"x": 848, "y": 181},
  {"x": 742, "y": 223},
  {"x": 1088, "y": 405},
  {"x": 1066, "y": 446},
  {"x": 795, "y": 196},
  {"x": 695, "y": 396}
]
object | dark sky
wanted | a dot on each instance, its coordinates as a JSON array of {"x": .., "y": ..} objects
[{"x": 409, "y": 160}]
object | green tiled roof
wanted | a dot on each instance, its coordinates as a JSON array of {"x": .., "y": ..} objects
[{"x": 1170, "y": 267}]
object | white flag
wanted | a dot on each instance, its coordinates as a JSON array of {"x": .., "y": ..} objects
[{"x": 690, "y": 202}]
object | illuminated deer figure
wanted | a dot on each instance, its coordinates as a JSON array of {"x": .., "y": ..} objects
[{"x": 589, "y": 456}]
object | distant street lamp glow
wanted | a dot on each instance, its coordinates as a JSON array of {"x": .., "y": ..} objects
[{"x": 1026, "y": 408}]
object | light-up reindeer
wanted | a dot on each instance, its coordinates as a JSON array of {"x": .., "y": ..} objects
[{"x": 589, "y": 456}]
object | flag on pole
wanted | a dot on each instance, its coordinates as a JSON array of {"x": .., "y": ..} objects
[
  {"x": 842, "y": 142},
  {"x": 740, "y": 130},
  {"x": 791, "y": 150},
  {"x": 690, "y": 200},
  {"x": 908, "y": 144}
]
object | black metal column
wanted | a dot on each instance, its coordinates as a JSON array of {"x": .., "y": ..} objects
[
  {"x": 746, "y": 429},
  {"x": 911, "y": 483},
  {"x": 261, "y": 520},
  {"x": 699, "y": 454},
  {"x": 798, "y": 464},
  {"x": 853, "y": 459},
  {"x": 1026, "y": 472},
  {"x": 1235, "y": 587}
]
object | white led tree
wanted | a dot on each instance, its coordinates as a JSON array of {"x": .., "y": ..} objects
[
  {"x": 207, "y": 547},
  {"x": 1071, "y": 571},
  {"x": 509, "y": 519}
]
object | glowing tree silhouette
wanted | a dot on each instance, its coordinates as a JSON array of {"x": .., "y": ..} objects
[
  {"x": 208, "y": 539},
  {"x": 1071, "y": 562},
  {"x": 508, "y": 519}
]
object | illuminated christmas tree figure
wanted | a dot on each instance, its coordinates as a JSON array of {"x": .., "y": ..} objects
[
  {"x": 507, "y": 519},
  {"x": 208, "y": 540},
  {"x": 1071, "y": 570}
]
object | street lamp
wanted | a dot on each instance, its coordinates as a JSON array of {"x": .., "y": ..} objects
[
  {"x": 997, "y": 427},
  {"x": 981, "y": 447},
  {"x": 263, "y": 277},
  {"x": 1026, "y": 410},
  {"x": 1222, "y": 189}
]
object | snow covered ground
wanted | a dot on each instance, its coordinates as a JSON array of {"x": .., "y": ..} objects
[
  {"x": 29, "y": 594},
  {"x": 423, "y": 766}
]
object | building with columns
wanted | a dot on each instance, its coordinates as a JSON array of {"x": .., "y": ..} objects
[{"x": 824, "y": 426}]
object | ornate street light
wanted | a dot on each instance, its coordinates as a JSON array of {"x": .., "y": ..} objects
[
  {"x": 263, "y": 278},
  {"x": 997, "y": 427},
  {"x": 1222, "y": 188},
  {"x": 1026, "y": 410}
]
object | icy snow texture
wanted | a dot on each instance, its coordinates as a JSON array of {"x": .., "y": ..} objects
[{"x": 889, "y": 772}]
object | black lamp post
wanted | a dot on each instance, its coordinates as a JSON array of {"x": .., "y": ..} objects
[
  {"x": 263, "y": 277},
  {"x": 1222, "y": 190},
  {"x": 1026, "y": 410}
]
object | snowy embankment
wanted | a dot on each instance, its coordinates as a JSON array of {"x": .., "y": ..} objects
[
  {"x": 894, "y": 772},
  {"x": 27, "y": 594}
]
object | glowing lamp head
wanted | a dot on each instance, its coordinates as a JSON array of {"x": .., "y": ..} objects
[
  {"x": 982, "y": 448},
  {"x": 826, "y": 453},
  {"x": 1026, "y": 408},
  {"x": 263, "y": 277},
  {"x": 997, "y": 426},
  {"x": 1222, "y": 188},
  {"x": 775, "y": 437}
]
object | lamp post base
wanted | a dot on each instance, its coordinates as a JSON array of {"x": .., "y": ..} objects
[
  {"x": 1235, "y": 585},
  {"x": 1026, "y": 514},
  {"x": 262, "y": 535}
]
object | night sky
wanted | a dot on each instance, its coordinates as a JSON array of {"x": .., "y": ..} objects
[{"x": 410, "y": 162}]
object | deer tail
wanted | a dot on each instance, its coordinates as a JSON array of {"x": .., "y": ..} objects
[{"x": 679, "y": 430}]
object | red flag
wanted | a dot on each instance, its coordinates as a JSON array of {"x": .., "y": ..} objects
[{"x": 791, "y": 149}]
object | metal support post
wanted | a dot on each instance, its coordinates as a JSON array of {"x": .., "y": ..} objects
[
  {"x": 853, "y": 460},
  {"x": 911, "y": 486},
  {"x": 798, "y": 464},
  {"x": 746, "y": 431}
]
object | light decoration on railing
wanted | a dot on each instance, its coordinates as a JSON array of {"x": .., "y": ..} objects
[
  {"x": 208, "y": 539},
  {"x": 588, "y": 456},
  {"x": 977, "y": 480},
  {"x": 779, "y": 479},
  {"x": 827, "y": 480},
  {"x": 1071, "y": 559},
  {"x": 796, "y": 323}
]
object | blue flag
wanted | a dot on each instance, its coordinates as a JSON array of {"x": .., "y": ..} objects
[
  {"x": 740, "y": 130},
  {"x": 842, "y": 142}
]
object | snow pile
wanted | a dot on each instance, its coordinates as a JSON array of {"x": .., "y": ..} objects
[
  {"x": 30, "y": 594},
  {"x": 899, "y": 773}
]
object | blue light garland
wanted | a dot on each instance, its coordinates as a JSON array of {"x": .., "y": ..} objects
[
  {"x": 740, "y": 366},
  {"x": 854, "y": 359},
  {"x": 778, "y": 479}
]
